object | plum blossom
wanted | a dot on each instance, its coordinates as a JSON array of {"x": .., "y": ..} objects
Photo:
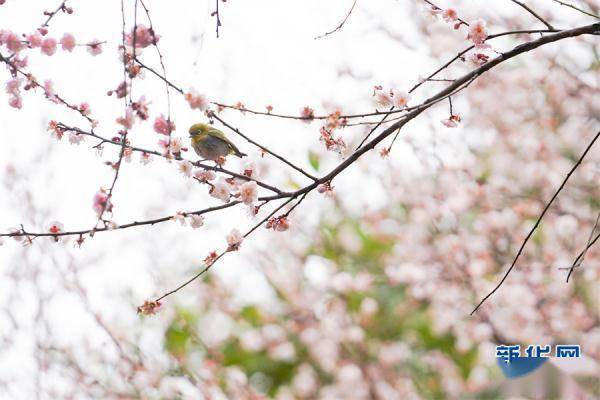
[
  {"x": 34, "y": 39},
  {"x": 279, "y": 224},
  {"x": 127, "y": 120},
  {"x": 76, "y": 138},
  {"x": 234, "y": 240},
  {"x": 478, "y": 59},
  {"x": 48, "y": 46},
  {"x": 179, "y": 217},
  {"x": 145, "y": 158},
  {"x": 149, "y": 307},
  {"x": 144, "y": 37},
  {"x": 204, "y": 175},
  {"x": 451, "y": 122},
  {"x": 196, "y": 221},
  {"x": 55, "y": 227},
  {"x": 185, "y": 167},
  {"x": 401, "y": 99},
  {"x": 196, "y": 101},
  {"x": 101, "y": 203},
  {"x": 307, "y": 114},
  {"x": 67, "y": 42},
  {"x": 220, "y": 190},
  {"x": 249, "y": 193},
  {"x": 94, "y": 47},
  {"x": 13, "y": 43},
  {"x": 163, "y": 126},
  {"x": 477, "y": 32},
  {"x": 383, "y": 99},
  {"x": 450, "y": 15},
  {"x": 84, "y": 108},
  {"x": 176, "y": 145},
  {"x": 14, "y": 231},
  {"x": 49, "y": 91}
]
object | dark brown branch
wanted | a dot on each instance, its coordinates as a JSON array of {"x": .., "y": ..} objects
[
  {"x": 103, "y": 140},
  {"x": 562, "y": 185}
]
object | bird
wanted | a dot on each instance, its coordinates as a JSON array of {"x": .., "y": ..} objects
[{"x": 212, "y": 144}]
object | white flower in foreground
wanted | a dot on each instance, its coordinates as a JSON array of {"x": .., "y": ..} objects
[
  {"x": 234, "y": 240},
  {"x": 180, "y": 217},
  {"x": 401, "y": 99},
  {"x": 196, "y": 221},
  {"x": 185, "y": 167},
  {"x": 249, "y": 192},
  {"x": 220, "y": 191}
]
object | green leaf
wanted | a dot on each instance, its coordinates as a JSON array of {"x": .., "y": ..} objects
[{"x": 313, "y": 159}]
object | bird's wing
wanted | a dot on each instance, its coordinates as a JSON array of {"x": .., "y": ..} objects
[{"x": 217, "y": 133}]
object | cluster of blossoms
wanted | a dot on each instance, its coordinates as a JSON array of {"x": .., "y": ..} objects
[
  {"x": 195, "y": 220},
  {"x": 47, "y": 45},
  {"x": 142, "y": 38},
  {"x": 397, "y": 98},
  {"x": 449, "y": 15}
]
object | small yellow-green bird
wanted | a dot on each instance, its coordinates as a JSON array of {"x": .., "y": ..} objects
[{"x": 210, "y": 143}]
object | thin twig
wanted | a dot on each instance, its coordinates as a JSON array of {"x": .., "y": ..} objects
[
  {"x": 579, "y": 260},
  {"x": 337, "y": 28},
  {"x": 576, "y": 8},
  {"x": 587, "y": 149},
  {"x": 530, "y": 11}
]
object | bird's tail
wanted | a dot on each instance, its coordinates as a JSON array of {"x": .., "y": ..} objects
[{"x": 240, "y": 154}]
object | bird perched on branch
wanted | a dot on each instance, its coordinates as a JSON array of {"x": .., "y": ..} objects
[{"x": 212, "y": 144}]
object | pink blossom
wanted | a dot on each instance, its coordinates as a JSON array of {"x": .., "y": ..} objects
[
  {"x": 196, "y": 221},
  {"x": 383, "y": 99},
  {"x": 101, "y": 203},
  {"x": 478, "y": 59},
  {"x": 84, "y": 108},
  {"x": 179, "y": 217},
  {"x": 13, "y": 43},
  {"x": 127, "y": 120},
  {"x": 67, "y": 42},
  {"x": 55, "y": 227},
  {"x": 220, "y": 190},
  {"x": 144, "y": 37},
  {"x": 477, "y": 31},
  {"x": 49, "y": 91},
  {"x": 149, "y": 307},
  {"x": 15, "y": 101},
  {"x": 401, "y": 99},
  {"x": 145, "y": 158},
  {"x": 94, "y": 47},
  {"x": 76, "y": 138},
  {"x": 249, "y": 192},
  {"x": 49, "y": 46},
  {"x": 162, "y": 126},
  {"x": 34, "y": 39},
  {"x": 16, "y": 230},
  {"x": 451, "y": 122},
  {"x": 196, "y": 101},
  {"x": 450, "y": 15},
  {"x": 185, "y": 167},
  {"x": 432, "y": 10},
  {"x": 205, "y": 175},
  {"x": 176, "y": 145},
  {"x": 13, "y": 86},
  {"x": 234, "y": 240},
  {"x": 307, "y": 114}
]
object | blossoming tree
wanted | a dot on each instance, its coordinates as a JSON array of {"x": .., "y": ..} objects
[{"x": 389, "y": 259}]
